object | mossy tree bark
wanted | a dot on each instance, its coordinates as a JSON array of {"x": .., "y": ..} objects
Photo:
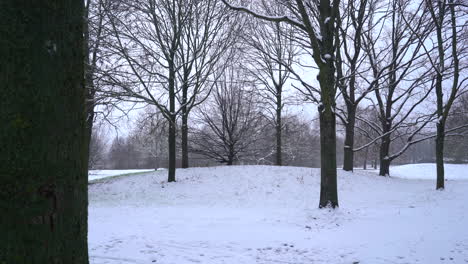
[{"x": 43, "y": 148}]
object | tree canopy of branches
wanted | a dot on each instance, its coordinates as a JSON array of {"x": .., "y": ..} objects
[
  {"x": 229, "y": 122},
  {"x": 165, "y": 55},
  {"x": 270, "y": 58}
]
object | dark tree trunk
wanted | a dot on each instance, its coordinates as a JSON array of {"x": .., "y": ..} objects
[
  {"x": 43, "y": 142},
  {"x": 384, "y": 160},
  {"x": 348, "y": 161},
  {"x": 384, "y": 167},
  {"x": 326, "y": 78},
  {"x": 384, "y": 154},
  {"x": 230, "y": 160},
  {"x": 279, "y": 103},
  {"x": 328, "y": 186},
  {"x": 172, "y": 150},
  {"x": 171, "y": 177},
  {"x": 440, "y": 156},
  {"x": 328, "y": 183},
  {"x": 184, "y": 131}
]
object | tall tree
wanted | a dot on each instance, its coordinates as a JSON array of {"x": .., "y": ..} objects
[
  {"x": 315, "y": 20},
  {"x": 92, "y": 31},
  {"x": 350, "y": 65},
  {"x": 446, "y": 66},
  {"x": 43, "y": 148},
  {"x": 392, "y": 47},
  {"x": 271, "y": 55},
  {"x": 206, "y": 37}
]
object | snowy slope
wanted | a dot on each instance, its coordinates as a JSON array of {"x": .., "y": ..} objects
[
  {"x": 427, "y": 171},
  {"x": 262, "y": 214}
]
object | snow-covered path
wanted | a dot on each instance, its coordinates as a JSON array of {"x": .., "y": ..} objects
[
  {"x": 94, "y": 175},
  {"x": 262, "y": 214}
]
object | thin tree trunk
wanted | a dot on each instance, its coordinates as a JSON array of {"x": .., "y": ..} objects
[
  {"x": 172, "y": 150},
  {"x": 43, "y": 142},
  {"x": 348, "y": 160},
  {"x": 184, "y": 131},
  {"x": 440, "y": 104},
  {"x": 364, "y": 166},
  {"x": 171, "y": 177},
  {"x": 230, "y": 160},
  {"x": 279, "y": 160},
  {"x": 440, "y": 156}
]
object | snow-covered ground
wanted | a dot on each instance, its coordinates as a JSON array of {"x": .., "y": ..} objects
[
  {"x": 263, "y": 214},
  {"x": 101, "y": 174},
  {"x": 427, "y": 171}
]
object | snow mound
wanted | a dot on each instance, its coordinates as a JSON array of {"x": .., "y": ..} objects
[
  {"x": 266, "y": 214},
  {"x": 427, "y": 171}
]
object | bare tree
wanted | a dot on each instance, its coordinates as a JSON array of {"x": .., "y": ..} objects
[
  {"x": 206, "y": 38},
  {"x": 149, "y": 131},
  {"x": 165, "y": 54},
  {"x": 392, "y": 47},
  {"x": 315, "y": 20},
  {"x": 229, "y": 122},
  {"x": 458, "y": 144},
  {"x": 97, "y": 149},
  {"x": 351, "y": 66},
  {"x": 365, "y": 132},
  {"x": 271, "y": 55},
  {"x": 95, "y": 34},
  {"x": 445, "y": 63}
]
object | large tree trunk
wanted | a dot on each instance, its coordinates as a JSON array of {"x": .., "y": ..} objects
[
  {"x": 328, "y": 183},
  {"x": 384, "y": 156},
  {"x": 279, "y": 124},
  {"x": 348, "y": 161},
  {"x": 43, "y": 147},
  {"x": 328, "y": 186}
]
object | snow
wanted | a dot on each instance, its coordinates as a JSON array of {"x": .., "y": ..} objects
[
  {"x": 266, "y": 214},
  {"x": 427, "y": 171},
  {"x": 319, "y": 37},
  {"x": 326, "y": 20},
  {"x": 101, "y": 174},
  {"x": 327, "y": 56}
]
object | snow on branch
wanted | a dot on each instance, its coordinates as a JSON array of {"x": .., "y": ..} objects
[{"x": 285, "y": 19}]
